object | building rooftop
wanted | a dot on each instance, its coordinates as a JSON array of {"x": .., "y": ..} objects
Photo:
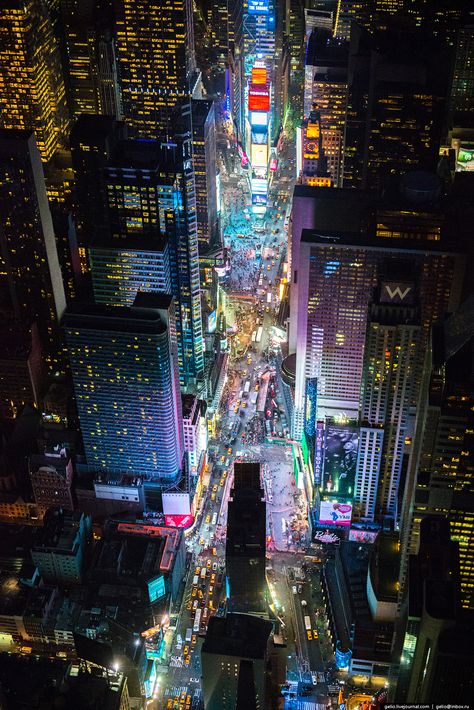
[
  {"x": 384, "y": 566},
  {"x": 61, "y": 531},
  {"x": 241, "y": 635}
]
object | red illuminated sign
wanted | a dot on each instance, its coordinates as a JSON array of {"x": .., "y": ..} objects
[
  {"x": 259, "y": 100},
  {"x": 259, "y": 75},
  {"x": 179, "y": 521},
  {"x": 273, "y": 164}
]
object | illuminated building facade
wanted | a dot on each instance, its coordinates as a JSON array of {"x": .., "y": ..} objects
[
  {"x": 32, "y": 93},
  {"x": 311, "y": 163},
  {"x": 259, "y": 121},
  {"x": 325, "y": 89},
  {"x": 204, "y": 160},
  {"x": 332, "y": 280},
  {"x": 31, "y": 287},
  {"x": 145, "y": 230},
  {"x": 112, "y": 348},
  {"x": 389, "y": 390},
  {"x": 156, "y": 60},
  {"x": 90, "y": 59},
  {"x": 462, "y": 87}
]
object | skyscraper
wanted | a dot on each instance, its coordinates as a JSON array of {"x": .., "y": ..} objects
[
  {"x": 204, "y": 160},
  {"x": 311, "y": 162},
  {"x": 389, "y": 387},
  {"x": 395, "y": 108},
  {"x": 146, "y": 230},
  {"x": 462, "y": 86},
  {"x": 112, "y": 348},
  {"x": 334, "y": 270},
  {"x": 32, "y": 93},
  {"x": 155, "y": 44},
  {"x": 31, "y": 288}
]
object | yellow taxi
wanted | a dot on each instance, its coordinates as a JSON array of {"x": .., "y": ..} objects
[
  {"x": 315, "y": 633},
  {"x": 249, "y": 361},
  {"x": 194, "y": 639},
  {"x": 202, "y": 541},
  {"x": 214, "y": 488},
  {"x": 209, "y": 564},
  {"x": 224, "y": 475},
  {"x": 222, "y": 482},
  {"x": 310, "y": 635},
  {"x": 208, "y": 518},
  {"x": 222, "y": 458},
  {"x": 229, "y": 450},
  {"x": 257, "y": 387},
  {"x": 244, "y": 405},
  {"x": 194, "y": 592}
]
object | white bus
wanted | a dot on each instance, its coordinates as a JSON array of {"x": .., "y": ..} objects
[
  {"x": 254, "y": 335},
  {"x": 189, "y": 633},
  {"x": 247, "y": 388},
  {"x": 197, "y": 621},
  {"x": 269, "y": 297},
  {"x": 307, "y": 623},
  {"x": 214, "y": 519},
  {"x": 259, "y": 334}
]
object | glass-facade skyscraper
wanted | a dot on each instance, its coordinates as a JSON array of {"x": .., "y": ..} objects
[{"x": 124, "y": 368}]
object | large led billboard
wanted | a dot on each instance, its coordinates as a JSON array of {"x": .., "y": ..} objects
[
  {"x": 259, "y": 199},
  {"x": 259, "y": 75},
  {"x": 258, "y": 118},
  {"x": 341, "y": 443},
  {"x": 259, "y": 186},
  {"x": 156, "y": 588},
  {"x": 258, "y": 7},
  {"x": 331, "y": 512},
  {"x": 259, "y": 156},
  {"x": 259, "y": 100}
]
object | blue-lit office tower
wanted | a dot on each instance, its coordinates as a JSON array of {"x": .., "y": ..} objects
[
  {"x": 124, "y": 367},
  {"x": 146, "y": 237}
]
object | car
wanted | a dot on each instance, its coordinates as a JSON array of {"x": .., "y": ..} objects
[
  {"x": 295, "y": 591},
  {"x": 300, "y": 588},
  {"x": 257, "y": 387},
  {"x": 224, "y": 475},
  {"x": 237, "y": 404},
  {"x": 197, "y": 570},
  {"x": 186, "y": 660},
  {"x": 194, "y": 592},
  {"x": 195, "y": 604},
  {"x": 203, "y": 603},
  {"x": 208, "y": 518},
  {"x": 223, "y": 456},
  {"x": 268, "y": 267},
  {"x": 188, "y": 701},
  {"x": 236, "y": 409},
  {"x": 315, "y": 633},
  {"x": 194, "y": 639},
  {"x": 189, "y": 606},
  {"x": 249, "y": 361},
  {"x": 169, "y": 704},
  {"x": 229, "y": 450},
  {"x": 209, "y": 563},
  {"x": 213, "y": 497},
  {"x": 186, "y": 651},
  {"x": 211, "y": 590},
  {"x": 303, "y": 602},
  {"x": 200, "y": 594},
  {"x": 213, "y": 577},
  {"x": 244, "y": 405},
  {"x": 214, "y": 488},
  {"x": 222, "y": 481},
  {"x": 309, "y": 635},
  {"x": 202, "y": 541},
  {"x": 214, "y": 566}
]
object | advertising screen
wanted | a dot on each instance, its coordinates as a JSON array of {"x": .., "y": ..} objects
[
  {"x": 340, "y": 459},
  {"x": 259, "y": 136},
  {"x": 259, "y": 75},
  {"x": 259, "y": 101},
  {"x": 176, "y": 504},
  {"x": 156, "y": 588},
  {"x": 273, "y": 164},
  {"x": 258, "y": 118},
  {"x": 343, "y": 658},
  {"x": 318, "y": 452},
  {"x": 212, "y": 322},
  {"x": 259, "y": 199},
  {"x": 333, "y": 513},
  {"x": 259, "y": 155},
  {"x": 258, "y": 7},
  {"x": 362, "y": 535},
  {"x": 178, "y": 521},
  {"x": 259, "y": 186},
  {"x": 311, "y": 397}
]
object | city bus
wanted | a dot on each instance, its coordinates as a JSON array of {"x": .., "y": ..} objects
[
  {"x": 259, "y": 334},
  {"x": 254, "y": 336},
  {"x": 269, "y": 297},
  {"x": 214, "y": 519},
  {"x": 197, "y": 621},
  {"x": 307, "y": 623},
  {"x": 247, "y": 388}
]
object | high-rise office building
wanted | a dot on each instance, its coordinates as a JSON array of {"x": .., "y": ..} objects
[
  {"x": 32, "y": 93},
  {"x": 112, "y": 348},
  {"x": 31, "y": 287},
  {"x": 146, "y": 230},
  {"x": 395, "y": 108},
  {"x": 21, "y": 368},
  {"x": 334, "y": 269},
  {"x": 442, "y": 470},
  {"x": 461, "y": 104},
  {"x": 326, "y": 89},
  {"x": 234, "y": 654},
  {"x": 435, "y": 662},
  {"x": 156, "y": 60},
  {"x": 311, "y": 162},
  {"x": 90, "y": 63},
  {"x": 246, "y": 541},
  {"x": 389, "y": 388},
  {"x": 204, "y": 160}
]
